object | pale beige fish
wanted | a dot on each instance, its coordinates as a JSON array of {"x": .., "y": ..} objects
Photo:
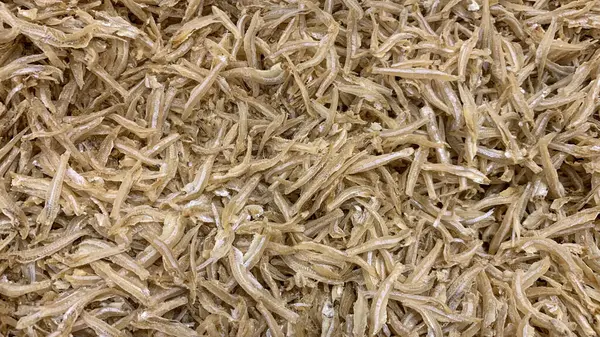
[
  {"x": 85, "y": 255},
  {"x": 172, "y": 232},
  {"x": 273, "y": 76},
  {"x": 416, "y": 73},
  {"x": 379, "y": 305},
  {"x": 349, "y": 193},
  {"x": 373, "y": 162},
  {"x": 34, "y": 254},
  {"x": 525, "y": 306},
  {"x": 132, "y": 126},
  {"x": 122, "y": 260},
  {"x": 99, "y": 326},
  {"x": 61, "y": 305},
  {"x": 139, "y": 291},
  {"x": 49, "y": 35},
  {"x": 226, "y": 21},
  {"x": 550, "y": 173},
  {"x": 249, "y": 284},
  {"x": 587, "y": 215},
  {"x": 461, "y": 171},
  {"x": 169, "y": 260},
  {"x": 274, "y": 328},
  {"x": 191, "y": 26},
  {"x": 361, "y": 315},
  {"x": 378, "y": 243},
  {"x": 166, "y": 326},
  {"x": 12, "y": 290},
  {"x": 201, "y": 89},
  {"x": 10, "y": 208},
  {"x": 424, "y": 266}
]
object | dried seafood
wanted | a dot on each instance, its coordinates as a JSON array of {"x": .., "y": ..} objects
[{"x": 299, "y": 168}]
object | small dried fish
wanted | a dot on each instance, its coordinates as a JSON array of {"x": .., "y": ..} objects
[
  {"x": 374, "y": 162},
  {"x": 34, "y": 254},
  {"x": 100, "y": 326},
  {"x": 51, "y": 208},
  {"x": 17, "y": 290},
  {"x": 140, "y": 292},
  {"x": 416, "y": 73},
  {"x": 245, "y": 280},
  {"x": 298, "y": 168},
  {"x": 378, "y": 312},
  {"x": 461, "y": 171}
]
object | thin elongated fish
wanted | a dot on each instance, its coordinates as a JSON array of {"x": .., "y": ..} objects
[{"x": 299, "y": 168}]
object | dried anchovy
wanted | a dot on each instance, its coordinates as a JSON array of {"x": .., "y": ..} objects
[{"x": 299, "y": 168}]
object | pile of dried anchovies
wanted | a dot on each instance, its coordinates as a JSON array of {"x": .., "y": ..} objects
[{"x": 299, "y": 168}]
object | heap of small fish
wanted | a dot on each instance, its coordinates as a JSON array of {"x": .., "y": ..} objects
[{"x": 299, "y": 168}]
